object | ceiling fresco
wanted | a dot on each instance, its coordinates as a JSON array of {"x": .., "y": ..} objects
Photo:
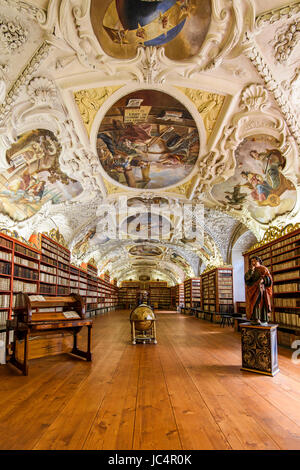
[
  {"x": 123, "y": 25},
  {"x": 259, "y": 182},
  {"x": 148, "y": 140},
  {"x": 33, "y": 176}
]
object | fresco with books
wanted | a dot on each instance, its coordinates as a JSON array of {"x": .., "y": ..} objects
[
  {"x": 259, "y": 182},
  {"x": 121, "y": 26},
  {"x": 33, "y": 176},
  {"x": 148, "y": 140}
]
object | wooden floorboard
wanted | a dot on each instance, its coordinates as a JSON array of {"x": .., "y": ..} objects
[{"x": 186, "y": 392}]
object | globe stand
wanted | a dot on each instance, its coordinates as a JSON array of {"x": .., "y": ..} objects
[{"x": 143, "y": 336}]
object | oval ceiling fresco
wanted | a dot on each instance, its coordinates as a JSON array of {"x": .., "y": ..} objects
[
  {"x": 258, "y": 182},
  {"x": 179, "y": 25},
  {"x": 145, "y": 250},
  {"x": 34, "y": 176},
  {"x": 148, "y": 140},
  {"x": 147, "y": 226}
]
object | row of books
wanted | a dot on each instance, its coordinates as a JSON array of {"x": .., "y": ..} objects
[
  {"x": 48, "y": 269},
  {"x": 5, "y": 243},
  {"x": 287, "y": 255},
  {"x": 20, "y": 286},
  {"x": 62, "y": 281},
  {"x": 283, "y": 243},
  {"x": 47, "y": 289},
  {"x": 47, "y": 278},
  {"x": 26, "y": 251},
  {"x": 288, "y": 319},
  {"x": 4, "y": 301},
  {"x": 26, "y": 273},
  {"x": 289, "y": 264},
  {"x": 5, "y": 255},
  {"x": 26, "y": 262},
  {"x": 288, "y": 287},
  {"x": 283, "y": 302},
  {"x": 286, "y": 276},
  {"x": 3, "y": 318},
  {"x": 47, "y": 259},
  {"x": 5, "y": 268},
  {"x": 4, "y": 283},
  {"x": 63, "y": 274}
]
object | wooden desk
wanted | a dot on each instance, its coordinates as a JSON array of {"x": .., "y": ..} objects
[{"x": 48, "y": 315}]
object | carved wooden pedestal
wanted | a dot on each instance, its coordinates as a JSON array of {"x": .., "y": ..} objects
[{"x": 259, "y": 349}]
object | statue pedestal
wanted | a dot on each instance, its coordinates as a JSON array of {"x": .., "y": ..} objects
[{"x": 259, "y": 348}]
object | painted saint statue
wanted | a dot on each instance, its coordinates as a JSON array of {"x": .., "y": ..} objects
[{"x": 258, "y": 292}]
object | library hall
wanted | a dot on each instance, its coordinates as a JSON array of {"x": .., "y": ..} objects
[{"x": 149, "y": 227}]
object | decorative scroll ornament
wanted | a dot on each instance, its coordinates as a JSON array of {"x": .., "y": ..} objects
[
  {"x": 68, "y": 23},
  {"x": 273, "y": 233},
  {"x": 252, "y": 52},
  {"x": 254, "y": 98},
  {"x": 211, "y": 267},
  {"x": 286, "y": 41},
  {"x": 92, "y": 262},
  {"x": 209, "y": 106},
  {"x": 41, "y": 54},
  {"x": 277, "y": 14},
  {"x": 14, "y": 234},
  {"x": 55, "y": 235},
  {"x": 42, "y": 91},
  {"x": 90, "y": 101}
]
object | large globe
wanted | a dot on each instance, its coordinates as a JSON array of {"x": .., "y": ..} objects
[
  {"x": 150, "y": 22},
  {"x": 143, "y": 317}
]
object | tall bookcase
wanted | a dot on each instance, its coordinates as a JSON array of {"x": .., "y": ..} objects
[
  {"x": 180, "y": 295},
  {"x": 282, "y": 257},
  {"x": 45, "y": 269},
  {"x": 173, "y": 296},
  {"x": 192, "y": 293},
  {"x": 217, "y": 292},
  {"x": 19, "y": 271},
  {"x": 54, "y": 268},
  {"x": 159, "y": 293}
]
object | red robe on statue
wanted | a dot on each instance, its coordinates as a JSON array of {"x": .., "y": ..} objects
[{"x": 258, "y": 293}]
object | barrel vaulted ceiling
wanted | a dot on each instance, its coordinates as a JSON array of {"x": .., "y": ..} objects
[{"x": 163, "y": 104}]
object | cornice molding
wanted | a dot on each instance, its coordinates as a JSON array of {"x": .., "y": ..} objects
[{"x": 277, "y": 14}]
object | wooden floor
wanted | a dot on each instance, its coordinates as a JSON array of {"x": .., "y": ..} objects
[{"x": 186, "y": 392}]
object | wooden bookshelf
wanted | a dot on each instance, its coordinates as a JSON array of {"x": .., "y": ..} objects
[
  {"x": 282, "y": 257},
  {"x": 180, "y": 295},
  {"x": 192, "y": 294},
  {"x": 217, "y": 292},
  {"x": 159, "y": 293},
  {"x": 54, "y": 268},
  {"x": 173, "y": 296},
  {"x": 47, "y": 271},
  {"x": 160, "y": 297},
  {"x": 19, "y": 271}
]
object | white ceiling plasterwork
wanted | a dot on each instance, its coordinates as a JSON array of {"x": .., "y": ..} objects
[{"x": 251, "y": 62}]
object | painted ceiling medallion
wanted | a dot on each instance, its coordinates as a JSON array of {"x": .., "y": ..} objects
[
  {"x": 148, "y": 140},
  {"x": 258, "y": 182},
  {"x": 33, "y": 176},
  {"x": 142, "y": 22},
  {"x": 181, "y": 25}
]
